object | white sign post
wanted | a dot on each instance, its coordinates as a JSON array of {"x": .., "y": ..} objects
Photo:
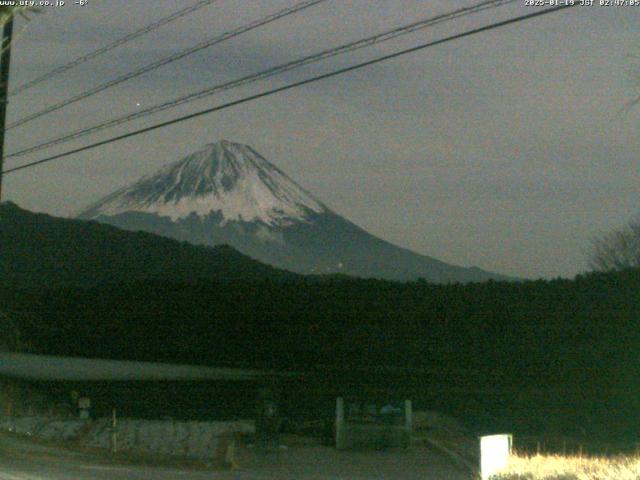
[{"x": 495, "y": 451}]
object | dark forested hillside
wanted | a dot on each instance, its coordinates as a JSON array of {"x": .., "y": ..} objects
[
  {"x": 547, "y": 324},
  {"x": 553, "y": 353},
  {"x": 37, "y": 249}
]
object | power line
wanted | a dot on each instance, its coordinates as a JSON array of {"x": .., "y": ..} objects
[
  {"x": 121, "y": 41},
  {"x": 165, "y": 61},
  {"x": 378, "y": 38},
  {"x": 290, "y": 86}
]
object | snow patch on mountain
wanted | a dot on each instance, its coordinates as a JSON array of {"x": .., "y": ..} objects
[{"x": 224, "y": 177}]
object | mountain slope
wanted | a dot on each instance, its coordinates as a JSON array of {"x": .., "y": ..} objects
[
  {"x": 44, "y": 250},
  {"x": 228, "y": 193}
]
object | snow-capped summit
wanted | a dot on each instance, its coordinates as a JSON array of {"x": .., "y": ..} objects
[
  {"x": 224, "y": 177},
  {"x": 227, "y": 193}
]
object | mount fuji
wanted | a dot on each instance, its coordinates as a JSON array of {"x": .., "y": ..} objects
[{"x": 227, "y": 193}]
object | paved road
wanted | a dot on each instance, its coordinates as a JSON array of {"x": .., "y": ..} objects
[{"x": 20, "y": 460}]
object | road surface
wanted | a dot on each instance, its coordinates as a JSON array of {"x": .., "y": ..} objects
[{"x": 21, "y": 459}]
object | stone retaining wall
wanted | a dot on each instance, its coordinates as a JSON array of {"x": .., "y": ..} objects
[{"x": 183, "y": 439}]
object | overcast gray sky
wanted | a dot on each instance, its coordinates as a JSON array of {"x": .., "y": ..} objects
[{"x": 507, "y": 150}]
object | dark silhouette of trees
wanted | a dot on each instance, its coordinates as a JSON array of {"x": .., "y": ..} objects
[
  {"x": 618, "y": 249},
  {"x": 11, "y": 338}
]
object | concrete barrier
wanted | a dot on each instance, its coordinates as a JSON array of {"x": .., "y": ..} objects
[{"x": 373, "y": 435}]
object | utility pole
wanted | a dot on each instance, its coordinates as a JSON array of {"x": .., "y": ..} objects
[{"x": 5, "y": 61}]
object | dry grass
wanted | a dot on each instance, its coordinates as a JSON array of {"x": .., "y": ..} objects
[{"x": 558, "y": 467}]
